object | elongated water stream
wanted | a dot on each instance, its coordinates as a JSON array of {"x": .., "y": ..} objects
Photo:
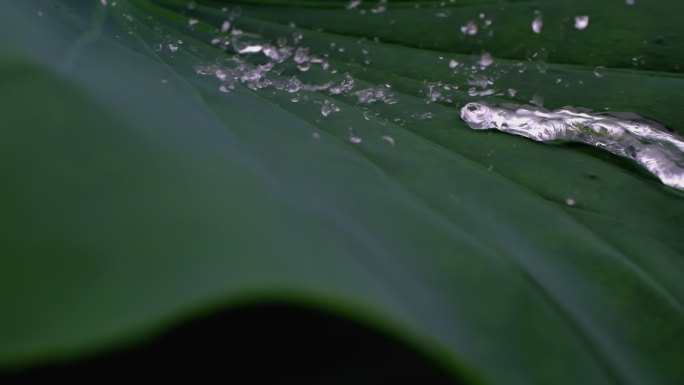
[{"x": 628, "y": 135}]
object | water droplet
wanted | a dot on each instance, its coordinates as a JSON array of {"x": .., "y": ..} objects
[
  {"x": 600, "y": 71},
  {"x": 173, "y": 47},
  {"x": 304, "y": 67},
  {"x": 485, "y": 60},
  {"x": 355, "y": 139},
  {"x": 627, "y": 135},
  {"x": 453, "y": 63},
  {"x": 346, "y": 85},
  {"x": 380, "y": 7},
  {"x": 376, "y": 94},
  {"x": 542, "y": 66},
  {"x": 328, "y": 108},
  {"x": 225, "y": 26},
  {"x": 570, "y": 201},
  {"x": 537, "y": 23},
  {"x": 630, "y": 2},
  {"x": 537, "y": 100},
  {"x": 192, "y": 22},
  {"x": 388, "y": 139},
  {"x": 581, "y": 22},
  {"x": 301, "y": 55},
  {"x": 316, "y": 135},
  {"x": 297, "y": 37},
  {"x": 438, "y": 92},
  {"x": 470, "y": 28},
  {"x": 353, "y": 4},
  {"x": 250, "y": 48},
  {"x": 225, "y": 88}
]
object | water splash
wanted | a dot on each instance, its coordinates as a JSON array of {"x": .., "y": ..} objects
[{"x": 627, "y": 135}]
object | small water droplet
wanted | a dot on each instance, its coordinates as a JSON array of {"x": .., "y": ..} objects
[
  {"x": 328, "y": 108},
  {"x": 630, "y": 2},
  {"x": 377, "y": 94},
  {"x": 301, "y": 55},
  {"x": 225, "y": 26},
  {"x": 581, "y": 22},
  {"x": 297, "y": 37},
  {"x": 537, "y": 23},
  {"x": 353, "y": 4},
  {"x": 388, "y": 139},
  {"x": 355, "y": 139},
  {"x": 570, "y": 201},
  {"x": 380, "y": 7},
  {"x": 485, "y": 60},
  {"x": 192, "y": 22},
  {"x": 600, "y": 71},
  {"x": 470, "y": 28},
  {"x": 453, "y": 63},
  {"x": 542, "y": 66},
  {"x": 537, "y": 100},
  {"x": 251, "y": 48},
  {"x": 226, "y": 87}
]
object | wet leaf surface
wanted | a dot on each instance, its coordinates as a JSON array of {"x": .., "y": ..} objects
[{"x": 137, "y": 193}]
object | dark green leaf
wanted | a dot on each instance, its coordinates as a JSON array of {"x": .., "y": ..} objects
[{"x": 136, "y": 193}]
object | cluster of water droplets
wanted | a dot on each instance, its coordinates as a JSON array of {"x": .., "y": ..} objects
[
  {"x": 258, "y": 64},
  {"x": 280, "y": 55},
  {"x": 473, "y": 27}
]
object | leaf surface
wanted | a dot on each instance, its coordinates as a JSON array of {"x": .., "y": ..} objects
[{"x": 136, "y": 194}]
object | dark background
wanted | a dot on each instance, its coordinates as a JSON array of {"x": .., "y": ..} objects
[{"x": 270, "y": 344}]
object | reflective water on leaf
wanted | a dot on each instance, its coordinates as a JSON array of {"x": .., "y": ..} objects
[{"x": 627, "y": 135}]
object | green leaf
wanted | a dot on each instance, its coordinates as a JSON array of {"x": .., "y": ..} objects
[{"x": 136, "y": 194}]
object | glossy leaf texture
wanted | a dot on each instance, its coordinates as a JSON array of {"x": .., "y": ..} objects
[{"x": 137, "y": 194}]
